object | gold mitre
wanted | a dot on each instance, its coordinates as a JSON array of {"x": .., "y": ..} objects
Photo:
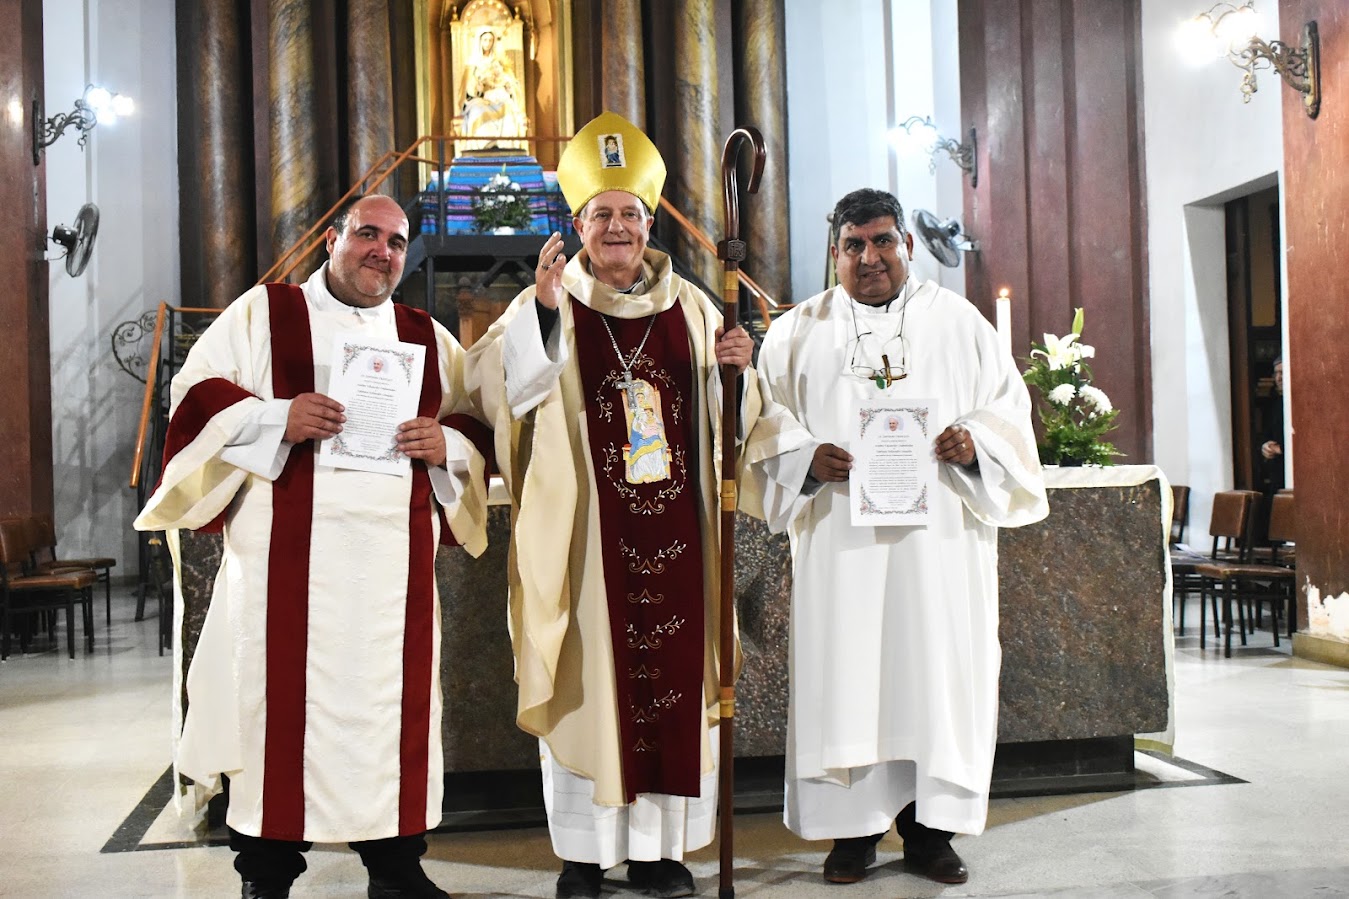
[{"x": 610, "y": 153}]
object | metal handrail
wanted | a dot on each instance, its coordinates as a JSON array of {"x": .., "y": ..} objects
[
  {"x": 280, "y": 271},
  {"x": 151, "y": 379},
  {"x": 762, "y": 299}
]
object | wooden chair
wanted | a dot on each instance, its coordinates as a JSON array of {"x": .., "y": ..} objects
[
  {"x": 1180, "y": 512},
  {"x": 1244, "y": 582},
  {"x": 1278, "y": 550},
  {"x": 22, "y": 591},
  {"x": 45, "y": 558},
  {"x": 1183, "y": 559},
  {"x": 1229, "y": 526}
]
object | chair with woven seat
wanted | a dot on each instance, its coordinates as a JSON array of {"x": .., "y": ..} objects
[
  {"x": 22, "y": 591},
  {"x": 1243, "y": 582},
  {"x": 46, "y": 559}
]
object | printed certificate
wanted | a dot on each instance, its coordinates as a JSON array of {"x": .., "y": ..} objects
[
  {"x": 894, "y": 463},
  {"x": 380, "y": 383}
]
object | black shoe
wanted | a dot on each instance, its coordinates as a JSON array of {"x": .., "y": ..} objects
[
  {"x": 579, "y": 880},
  {"x": 254, "y": 890},
  {"x": 413, "y": 886},
  {"x": 847, "y": 862},
  {"x": 936, "y": 861},
  {"x": 666, "y": 878}
]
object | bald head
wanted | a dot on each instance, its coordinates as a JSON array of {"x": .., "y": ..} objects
[{"x": 367, "y": 243}]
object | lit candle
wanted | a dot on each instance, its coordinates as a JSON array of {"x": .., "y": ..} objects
[{"x": 1004, "y": 317}]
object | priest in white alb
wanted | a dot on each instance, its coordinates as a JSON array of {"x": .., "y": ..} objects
[
  {"x": 315, "y": 684},
  {"x": 894, "y": 652}
]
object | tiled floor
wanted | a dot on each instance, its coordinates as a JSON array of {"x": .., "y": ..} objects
[{"x": 83, "y": 741}]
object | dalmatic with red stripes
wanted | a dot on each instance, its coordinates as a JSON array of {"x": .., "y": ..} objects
[{"x": 328, "y": 585}]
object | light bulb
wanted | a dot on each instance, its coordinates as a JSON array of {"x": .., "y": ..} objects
[{"x": 97, "y": 98}]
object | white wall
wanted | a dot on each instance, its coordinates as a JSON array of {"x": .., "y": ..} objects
[
  {"x": 129, "y": 170},
  {"x": 1203, "y": 148},
  {"x": 855, "y": 69}
]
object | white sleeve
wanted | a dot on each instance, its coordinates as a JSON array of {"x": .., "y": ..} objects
[
  {"x": 448, "y": 481},
  {"x": 532, "y": 367},
  {"x": 258, "y": 446}
]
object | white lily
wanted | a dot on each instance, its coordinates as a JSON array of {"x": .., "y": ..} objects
[{"x": 1059, "y": 352}]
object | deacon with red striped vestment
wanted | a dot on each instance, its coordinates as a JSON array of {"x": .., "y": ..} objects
[{"x": 315, "y": 685}]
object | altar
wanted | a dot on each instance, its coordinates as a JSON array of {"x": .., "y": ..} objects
[{"x": 1085, "y": 630}]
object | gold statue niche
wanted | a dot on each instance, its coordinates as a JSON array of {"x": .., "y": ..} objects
[{"x": 487, "y": 45}]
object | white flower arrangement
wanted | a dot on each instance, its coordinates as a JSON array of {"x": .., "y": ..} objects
[
  {"x": 500, "y": 203},
  {"x": 1075, "y": 414}
]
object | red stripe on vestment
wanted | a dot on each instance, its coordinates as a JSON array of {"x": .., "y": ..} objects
[
  {"x": 419, "y": 626},
  {"x": 202, "y": 402},
  {"x": 288, "y": 579}
]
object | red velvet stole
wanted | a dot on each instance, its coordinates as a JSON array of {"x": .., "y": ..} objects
[{"x": 652, "y": 551}]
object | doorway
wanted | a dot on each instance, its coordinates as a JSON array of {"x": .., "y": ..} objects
[{"x": 1254, "y": 317}]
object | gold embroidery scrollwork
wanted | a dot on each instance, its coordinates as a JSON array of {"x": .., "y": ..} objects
[
  {"x": 651, "y": 712},
  {"x": 655, "y": 564}
]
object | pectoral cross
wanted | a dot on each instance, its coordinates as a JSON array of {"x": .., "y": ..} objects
[
  {"x": 629, "y": 387},
  {"x": 883, "y": 378}
]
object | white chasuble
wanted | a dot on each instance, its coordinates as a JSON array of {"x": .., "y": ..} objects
[
  {"x": 315, "y": 683},
  {"x": 894, "y": 652}
]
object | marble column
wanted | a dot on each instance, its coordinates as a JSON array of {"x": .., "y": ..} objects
[
  {"x": 761, "y": 101},
  {"x": 622, "y": 66},
  {"x": 1316, "y": 198},
  {"x": 369, "y": 87},
  {"x": 295, "y": 203},
  {"x": 696, "y": 172},
  {"x": 439, "y": 68},
  {"x": 26, "y": 479},
  {"x": 224, "y": 174}
]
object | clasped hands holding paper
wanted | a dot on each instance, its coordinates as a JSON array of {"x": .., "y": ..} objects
[
  {"x": 379, "y": 383},
  {"x": 314, "y": 416},
  {"x": 892, "y": 466}
]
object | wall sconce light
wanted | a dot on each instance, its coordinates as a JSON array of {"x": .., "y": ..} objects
[
  {"x": 920, "y": 132},
  {"x": 1231, "y": 31},
  {"x": 97, "y": 105}
]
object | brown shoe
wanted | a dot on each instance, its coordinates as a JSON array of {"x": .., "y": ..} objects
[
  {"x": 936, "y": 861},
  {"x": 847, "y": 862}
]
